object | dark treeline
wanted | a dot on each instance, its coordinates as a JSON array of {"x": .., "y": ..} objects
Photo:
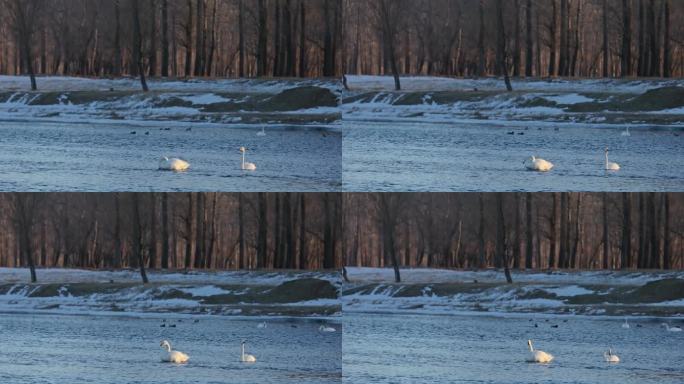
[
  {"x": 578, "y": 38},
  {"x": 171, "y": 230},
  {"x": 177, "y": 38},
  {"x": 515, "y": 230}
]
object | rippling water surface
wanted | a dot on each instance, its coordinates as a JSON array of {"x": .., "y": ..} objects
[
  {"x": 85, "y": 349},
  {"x": 107, "y": 157},
  {"x": 438, "y": 157},
  {"x": 475, "y": 349}
]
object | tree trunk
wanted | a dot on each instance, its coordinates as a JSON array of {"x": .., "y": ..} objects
[
  {"x": 165, "y": 39},
  {"x": 606, "y": 244},
  {"x": 188, "y": 41},
  {"x": 626, "y": 60},
  {"x": 666, "y": 43},
  {"x": 137, "y": 235},
  {"x": 262, "y": 235},
  {"x": 553, "y": 38},
  {"x": 165, "y": 231},
  {"x": 138, "y": 45},
  {"x": 501, "y": 253},
  {"x": 153, "y": 39},
  {"x": 480, "y": 41},
  {"x": 241, "y": 34},
  {"x": 118, "y": 55},
  {"x": 625, "y": 260},
  {"x": 302, "y": 39},
  {"x": 667, "y": 262},
  {"x": 199, "y": 39},
  {"x": 516, "y": 49},
  {"x": 480, "y": 232},
  {"x": 528, "y": 232},
  {"x": 241, "y": 235},
  {"x": 302, "y": 233},
  {"x": 262, "y": 41},
  {"x": 605, "y": 38},
  {"x": 528, "y": 40},
  {"x": 501, "y": 44},
  {"x": 564, "y": 39}
]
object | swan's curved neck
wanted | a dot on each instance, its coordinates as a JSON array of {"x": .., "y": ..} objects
[
  {"x": 243, "y": 167},
  {"x": 167, "y": 346},
  {"x": 531, "y": 348},
  {"x": 242, "y": 351}
]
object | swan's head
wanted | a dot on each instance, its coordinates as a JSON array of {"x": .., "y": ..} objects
[
  {"x": 165, "y": 344},
  {"x": 164, "y": 158},
  {"x": 529, "y": 343},
  {"x": 606, "y": 150},
  {"x": 243, "y": 342},
  {"x": 243, "y": 149}
]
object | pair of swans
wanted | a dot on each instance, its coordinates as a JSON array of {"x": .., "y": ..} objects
[
  {"x": 540, "y": 165},
  {"x": 179, "y": 165},
  {"x": 537, "y": 356},
  {"x": 178, "y": 357}
]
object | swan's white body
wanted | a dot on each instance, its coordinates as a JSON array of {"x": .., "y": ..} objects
[
  {"x": 262, "y": 132},
  {"x": 173, "y": 356},
  {"x": 610, "y": 166},
  {"x": 626, "y": 132},
  {"x": 261, "y": 325},
  {"x": 173, "y": 164},
  {"x": 539, "y": 165},
  {"x": 538, "y": 356},
  {"x": 246, "y": 357},
  {"x": 246, "y": 166},
  {"x": 625, "y": 325},
  {"x": 610, "y": 356},
  {"x": 325, "y": 328},
  {"x": 671, "y": 329}
]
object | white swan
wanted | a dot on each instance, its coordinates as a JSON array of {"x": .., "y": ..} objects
[
  {"x": 173, "y": 164},
  {"x": 536, "y": 164},
  {"x": 610, "y": 166},
  {"x": 538, "y": 356},
  {"x": 625, "y": 132},
  {"x": 325, "y": 328},
  {"x": 671, "y": 329},
  {"x": 246, "y": 357},
  {"x": 610, "y": 356},
  {"x": 261, "y": 325},
  {"x": 246, "y": 166},
  {"x": 262, "y": 132},
  {"x": 173, "y": 356},
  {"x": 625, "y": 325}
]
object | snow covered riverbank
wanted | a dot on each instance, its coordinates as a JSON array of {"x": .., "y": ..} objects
[
  {"x": 641, "y": 103},
  {"x": 241, "y": 293},
  {"x": 431, "y": 291},
  {"x": 224, "y": 101}
]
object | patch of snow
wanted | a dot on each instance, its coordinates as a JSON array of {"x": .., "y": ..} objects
[
  {"x": 569, "y": 99},
  {"x": 204, "y": 98},
  {"x": 204, "y": 291},
  {"x": 569, "y": 291}
]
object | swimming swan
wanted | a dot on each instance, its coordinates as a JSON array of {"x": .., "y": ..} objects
[
  {"x": 246, "y": 166},
  {"x": 325, "y": 328},
  {"x": 246, "y": 357},
  {"x": 173, "y": 356},
  {"x": 610, "y": 166},
  {"x": 536, "y": 164},
  {"x": 610, "y": 356},
  {"x": 538, "y": 356},
  {"x": 671, "y": 329},
  {"x": 261, "y": 325},
  {"x": 626, "y": 132},
  {"x": 262, "y": 132},
  {"x": 173, "y": 164},
  {"x": 625, "y": 325}
]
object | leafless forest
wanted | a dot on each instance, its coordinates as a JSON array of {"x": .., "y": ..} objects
[
  {"x": 171, "y": 230},
  {"x": 515, "y": 230},
  {"x": 171, "y": 37},
  {"x": 578, "y": 38}
]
